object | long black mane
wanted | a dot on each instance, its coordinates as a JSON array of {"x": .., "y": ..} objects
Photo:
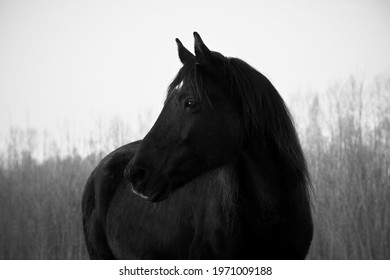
[{"x": 267, "y": 119}]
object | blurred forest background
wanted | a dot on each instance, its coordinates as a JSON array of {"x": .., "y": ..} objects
[{"x": 345, "y": 133}]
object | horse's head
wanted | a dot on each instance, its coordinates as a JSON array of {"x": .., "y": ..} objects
[{"x": 198, "y": 129}]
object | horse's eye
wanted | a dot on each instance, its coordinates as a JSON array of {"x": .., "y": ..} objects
[{"x": 190, "y": 104}]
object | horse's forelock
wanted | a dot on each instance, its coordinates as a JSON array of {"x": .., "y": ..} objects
[{"x": 190, "y": 77}]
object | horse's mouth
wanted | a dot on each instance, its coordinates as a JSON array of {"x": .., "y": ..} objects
[{"x": 153, "y": 197}]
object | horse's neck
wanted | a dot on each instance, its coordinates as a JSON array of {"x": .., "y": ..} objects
[
  {"x": 253, "y": 179},
  {"x": 215, "y": 190},
  {"x": 260, "y": 180}
]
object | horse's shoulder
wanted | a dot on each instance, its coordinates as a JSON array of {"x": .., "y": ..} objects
[
  {"x": 97, "y": 193},
  {"x": 109, "y": 172},
  {"x": 116, "y": 160}
]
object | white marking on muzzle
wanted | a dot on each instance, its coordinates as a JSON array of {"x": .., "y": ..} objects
[{"x": 139, "y": 194}]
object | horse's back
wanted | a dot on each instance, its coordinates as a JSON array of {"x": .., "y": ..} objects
[{"x": 98, "y": 191}]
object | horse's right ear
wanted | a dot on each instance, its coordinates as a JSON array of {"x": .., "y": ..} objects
[
  {"x": 184, "y": 54},
  {"x": 203, "y": 54}
]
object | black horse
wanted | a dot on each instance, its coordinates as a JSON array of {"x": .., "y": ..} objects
[{"x": 221, "y": 174}]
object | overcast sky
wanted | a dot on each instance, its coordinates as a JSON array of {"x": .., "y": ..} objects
[{"x": 76, "y": 61}]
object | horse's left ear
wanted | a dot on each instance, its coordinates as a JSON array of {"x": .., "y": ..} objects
[
  {"x": 203, "y": 54},
  {"x": 184, "y": 54}
]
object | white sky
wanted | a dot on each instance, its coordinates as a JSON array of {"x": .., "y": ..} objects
[{"x": 69, "y": 63}]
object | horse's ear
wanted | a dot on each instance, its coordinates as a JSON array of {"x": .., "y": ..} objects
[
  {"x": 203, "y": 54},
  {"x": 184, "y": 54}
]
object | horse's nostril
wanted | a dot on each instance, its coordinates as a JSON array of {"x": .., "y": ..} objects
[{"x": 138, "y": 176}]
